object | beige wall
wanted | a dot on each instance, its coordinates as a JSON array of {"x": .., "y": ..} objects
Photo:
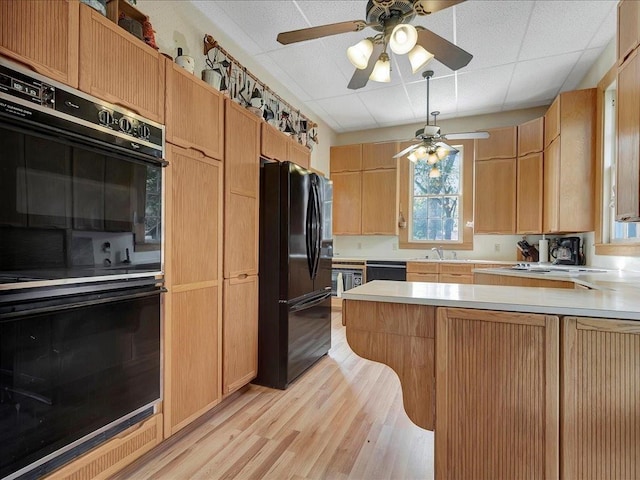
[{"x": 179, "y": 24}]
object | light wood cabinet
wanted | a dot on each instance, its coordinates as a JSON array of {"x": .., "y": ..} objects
[
  {"x": 347, "y": 203},
  {"x": 379, "y": 202},
  {"x": 628, "y": 140},
  {"x": 497, "y": 395},
  {"x": 442, "y": 272},
  {"x": 600, "y": 391},
  {"x": 346, "y": 158},
  {"x": 569, "y": 165},
  {"x": 423, "y": 277},
  {"x": 500, "y": 144},
  {"x": 529, "y": 186},
  {"x": 422, "y": 267},
  {"x": 119, "y": 68},
  {"x": 299, "y": 154},
  {"x": 240, "y": 332},
  {"x": 194, "y": 112},
  {"x": 628, "y": 31},
  {"x": 379, "y": 155},
  {"x": 42, "y": 35},
  {"x": 480, "y": 278},
  {"x": 274, "y": 144},
  {"x": 531, "y": 137},
  {"x": 552, "y": 122},
  {"x": 495, "y": 196}
]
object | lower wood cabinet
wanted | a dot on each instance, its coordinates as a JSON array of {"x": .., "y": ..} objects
[
  {"x": 601, "y": 387},
  {"x": 497, "y": 395},
  {"x": 240, "y": 332}
]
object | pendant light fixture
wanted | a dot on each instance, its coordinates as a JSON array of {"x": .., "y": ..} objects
[{"x": 382, "y": 70}]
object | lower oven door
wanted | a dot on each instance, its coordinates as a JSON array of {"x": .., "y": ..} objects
[{"x": 72, "y": 363}]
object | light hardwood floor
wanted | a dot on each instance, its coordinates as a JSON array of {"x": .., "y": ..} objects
[{"x": 343, "y": 419}]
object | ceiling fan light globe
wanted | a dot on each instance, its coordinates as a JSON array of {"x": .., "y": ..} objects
[
  {"x": 360, "y": 53},
  {"x": 441, "y": 152},
  {"x": 432, "y": 158},
  {"x": 419, "y": 57},
  {"x": 434, "y": 173},
  {"x": 412, "y": 157},
  {"x": 382, "y": 69},
  {"x": 421, "y": 153},
  {"x": 403, "y": 38}
]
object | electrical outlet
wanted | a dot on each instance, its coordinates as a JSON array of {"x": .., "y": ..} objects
[
  {"x": 394, "y": 246},
  {"x": 496, "y": 247},
  {"x": 359, "y": 246}
]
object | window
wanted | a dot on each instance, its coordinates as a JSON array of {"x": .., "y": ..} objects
[{"x": 439, "y": 210}]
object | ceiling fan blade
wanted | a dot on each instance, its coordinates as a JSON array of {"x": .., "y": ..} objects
[
  {"x": 406, "y": 150},
  {"x": 361, "y": 77},
  {"x": 465, "y": 135},
  {"x": 310, "y": 33},
  {"x": 445, "y": 52},
  {"x": 425, "y": 7},
  {"x": 447, "y": 146}
]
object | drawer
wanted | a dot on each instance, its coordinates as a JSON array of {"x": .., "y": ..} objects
[
  {"x": 465, "y": 268},
  {"x": 422, "y": 267},
  {"x": 422, "y": 277},
  {"x": 456, "y": 278}
]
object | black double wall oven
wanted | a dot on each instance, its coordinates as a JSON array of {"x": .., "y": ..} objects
[{"x": 80, "y": 271}]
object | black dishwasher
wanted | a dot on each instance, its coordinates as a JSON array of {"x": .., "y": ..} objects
[{"x": 386, "y": 270}]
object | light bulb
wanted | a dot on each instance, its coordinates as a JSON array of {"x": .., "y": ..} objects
[
  {"x": 360, "y": 53},
  {"x": 382, "y": 70},
  {"x": 434, "y": 173},
  {"x": 419, "y": 57},
  {"x": 403, "y": 38}
]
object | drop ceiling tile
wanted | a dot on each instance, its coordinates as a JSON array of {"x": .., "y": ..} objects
[
  {"x": 322, "y": 13},
  {"x": 485, "y": 88},
  {"x": 322, "y": 113},
  {"x": 282, "y": 76},
  {"x": 580, "y": 69},
  {"x": 442, "y": 96},
  {"x": 486, "y": 30},
  {"x": 389, "y": 105},
  {"x": 607, "y": 30},
  {"x": 348, "y": 111},
  {"x": 549, "y": 34},
  {"x": 540, "y": 79}
]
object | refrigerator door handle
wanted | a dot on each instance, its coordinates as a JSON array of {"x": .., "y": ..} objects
[
  {"x": 316, "y": 229},
  {"x": 309, "y": 233},
  {"x": 310, "y": 303}
]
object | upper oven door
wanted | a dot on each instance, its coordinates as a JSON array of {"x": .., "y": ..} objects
[{"x": 72, "y": 209}]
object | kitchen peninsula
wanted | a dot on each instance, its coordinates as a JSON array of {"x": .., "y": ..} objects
[{"x": 516, "y": 382}]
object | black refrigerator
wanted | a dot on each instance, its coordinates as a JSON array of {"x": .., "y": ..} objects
[{"x": 294, "y": 328}]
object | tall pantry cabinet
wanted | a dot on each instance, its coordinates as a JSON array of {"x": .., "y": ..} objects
[{"x": 193, "y": 250}]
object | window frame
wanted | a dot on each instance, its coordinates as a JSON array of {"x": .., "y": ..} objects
[{"x": 465, "y": 241}]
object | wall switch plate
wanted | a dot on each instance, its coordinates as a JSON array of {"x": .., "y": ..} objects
[{"x": 496, "y": 247}]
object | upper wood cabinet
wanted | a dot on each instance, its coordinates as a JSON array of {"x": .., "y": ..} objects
[
  {"x": 117, "y": 67},
  {"x": 42, "y": 35},
  {"x": 530, "y": 175},
  {"x": 299, "y": 154},
  {"x": 569, "y": 165},
  {"x": 531, "y": 137},
  {"x": 194, "y": 112},
  {"x": 347, "y": 203},
  {"x": 274, "y": 144},
  {"x": 379, "y": 202},
  {"x": 346, "y": 158},
  {"x": 628, "y": 140},
  {"x": 242, "y": 150},
  {"x": 628, "y": 33},
  {"x": 379, "y": 155},
  {"x": 495, "y": 196},
  {"x": 500, "y": 144},
  {"x": 552, "y": 122}
]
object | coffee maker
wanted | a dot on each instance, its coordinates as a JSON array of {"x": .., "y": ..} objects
[{"x": 567, "y": 251}]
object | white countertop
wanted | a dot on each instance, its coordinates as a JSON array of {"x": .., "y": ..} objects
[
  {"x": 623, "y": 304},
  {"x": 421, "y": 259}
]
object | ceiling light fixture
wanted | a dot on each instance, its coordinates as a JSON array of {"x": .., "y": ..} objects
[
  {"x": 360, "y": 53},
  {"x": 419, "y": 57},
  {"x": 434, "y": 173},
  {"x": 382, "y": 70},
  {"x": 403, "y": 38}
]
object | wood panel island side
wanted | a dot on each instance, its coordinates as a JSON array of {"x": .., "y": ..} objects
[{"x": 515, "y": 382}]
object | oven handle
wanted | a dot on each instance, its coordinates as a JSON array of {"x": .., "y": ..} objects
[
  {"x": 87, "y": 303},
  {"x": 375, "y": 265}
]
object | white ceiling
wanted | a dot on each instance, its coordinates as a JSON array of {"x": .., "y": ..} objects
[{"x": 524, "y": 54}]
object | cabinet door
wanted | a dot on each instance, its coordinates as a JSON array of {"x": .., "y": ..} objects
[
  {"x": 531, "y": 137},
  {"x": 88, "y": 190},
  {"x": 193, "y": 217},
  {"x": 628, "y": 140},
  {"x": 194, "y": 113},
  {"x": 462, "y": 278},
  {"x": 422, "y": 277},
  {"x": 551, "y": 188},
  {"x": 379, "y": 155},
  {"x": 274, "y": 143},
  {"x": 193, "y": 355},
  {"x": 552, "y": 122},
  {"x": 497, "y": 395},
  {"x": 242, "y": 150},
  {"x": 347, "y": 203},
  {"x": 601, "y": 387},
  {"x": 241, "y": 235},
  {"x": 495, "y": 205},
  {"x": 379, "y": 202},
  {"x": 628, "y": 32},
  {"x": 346, "y": 158},
  {"x": 240, "y": 332},
  {"x": 119, "y": 68},
  {"x": 500, "y": 144},
  {"x": 43, "y": 35},
  {"x": 529, "y": 193},
  {"x": 299, "y": 154}
]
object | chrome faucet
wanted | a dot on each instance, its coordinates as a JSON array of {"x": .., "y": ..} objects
[{"x": 438, "y": 250}]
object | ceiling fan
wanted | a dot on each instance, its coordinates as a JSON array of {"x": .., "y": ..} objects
[
  {"x": 431, "y": 144},
  {"x": 392, "y": 19}
]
